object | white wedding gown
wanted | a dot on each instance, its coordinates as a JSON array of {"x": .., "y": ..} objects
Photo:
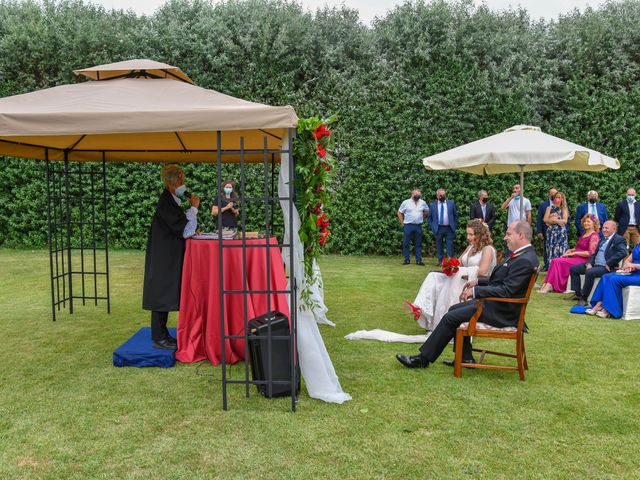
[{"x": 438, "y": 292}]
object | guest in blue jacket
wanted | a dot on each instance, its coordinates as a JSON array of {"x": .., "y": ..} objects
[
  {"x": 628, "y": 217},
  {"x": 541, "y": 227},
  {"x": 593, "y": 207},
  {"x": 444, "y": 221}
]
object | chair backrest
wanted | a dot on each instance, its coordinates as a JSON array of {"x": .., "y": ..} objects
[{"x": 532, "y": 282}]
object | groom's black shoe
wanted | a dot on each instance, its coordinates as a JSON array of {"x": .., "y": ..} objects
[
  {"x": 449, "y": 363},
  {"x": 413, "y": 361}
]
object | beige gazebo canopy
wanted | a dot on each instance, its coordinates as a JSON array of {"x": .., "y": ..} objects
[{"x": 138, "y": 110}]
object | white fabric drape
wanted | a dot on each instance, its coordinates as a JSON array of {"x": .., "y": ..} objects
[
  {"x": 386, "y": 336},
  {"x": 317, "y": 370}
]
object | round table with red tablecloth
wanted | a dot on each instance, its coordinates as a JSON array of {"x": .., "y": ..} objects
[{"x": 199, "y": 317}]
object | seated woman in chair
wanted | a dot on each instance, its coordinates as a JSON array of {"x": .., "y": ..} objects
[
  {"x": 438, "y": 291},
  {"x": 607, "y": 298},
  {"x": 585, "y": 247}
]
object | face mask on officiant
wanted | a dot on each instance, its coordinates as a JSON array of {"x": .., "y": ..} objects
[{"x": 180, "y": 191}]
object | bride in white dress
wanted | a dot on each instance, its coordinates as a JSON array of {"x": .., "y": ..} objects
[{"x": 438, "y": 291}]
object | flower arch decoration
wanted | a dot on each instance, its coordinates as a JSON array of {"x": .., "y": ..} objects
[{"x": 313, "y": 149}]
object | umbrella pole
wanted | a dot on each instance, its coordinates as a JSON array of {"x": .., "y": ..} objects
[{"x": 522, "y": 215}]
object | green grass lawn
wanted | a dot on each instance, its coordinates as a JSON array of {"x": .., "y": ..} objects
[{"x": 66, "y": 412}]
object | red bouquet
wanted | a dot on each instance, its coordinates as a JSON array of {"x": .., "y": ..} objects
[{"x": 450, "y": 266}]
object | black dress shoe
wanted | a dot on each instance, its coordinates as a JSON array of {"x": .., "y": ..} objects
[
  {"x": 573, "y": 297},
  {"x": 170, "y": 339},
  {"x": 449, "y": 363},
  {"x": 164, "y": 344},
  {"x": 582, "y": 303},
  {"x": 413, "y": 361},
  {"x": 405, "y": 263},
  {"x": 420, "y": 263}
]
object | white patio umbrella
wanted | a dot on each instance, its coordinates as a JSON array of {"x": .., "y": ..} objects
[{"x": 521, "y": 148}]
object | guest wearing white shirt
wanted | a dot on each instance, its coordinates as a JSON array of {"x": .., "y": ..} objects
[
  {"x": 513, "y": 204},
  {"x": 411, "y": 214},
  {"x": 628, "y": 217}
]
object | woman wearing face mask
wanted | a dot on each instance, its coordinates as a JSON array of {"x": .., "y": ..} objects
[
  {"x": 229, "y": 201},
  {"x": 438, "y": 291},
  {"x": 556, "y": 217}
]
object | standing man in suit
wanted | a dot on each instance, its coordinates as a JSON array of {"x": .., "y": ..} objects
[
  {"x": 593, "y": 207},
  {"x": 444, "y": 221},
  {"x": 411, "y": 214},
  {"x": 483, "y": 210},
  {"x": 628, "y": 218},
  {"x": 610, "y": 251},
  {"x": 541, "y": 227},
  {"x": 165, "y": 253},
  {"x": 510, "y": 279}
]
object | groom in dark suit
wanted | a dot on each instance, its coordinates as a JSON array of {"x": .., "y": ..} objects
[{"x": 510, "y": 279}]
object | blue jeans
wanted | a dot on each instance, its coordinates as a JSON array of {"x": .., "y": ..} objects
[
  {"x": 412, "y": 232},
  {"x": 444, "y": 235}
]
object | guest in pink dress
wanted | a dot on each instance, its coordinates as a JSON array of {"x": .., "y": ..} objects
[{"x": 558, "y": 273}]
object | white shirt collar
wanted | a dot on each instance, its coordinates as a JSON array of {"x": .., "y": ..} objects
[
  {"x": 176, "y": 198},
  {"x": 521, "y": 248}
]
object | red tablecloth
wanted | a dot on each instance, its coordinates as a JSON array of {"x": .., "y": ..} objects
[{"x": 199, "y": 317}]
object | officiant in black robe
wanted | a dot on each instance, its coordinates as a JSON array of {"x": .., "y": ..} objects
[{"x": 165, "y": 252}]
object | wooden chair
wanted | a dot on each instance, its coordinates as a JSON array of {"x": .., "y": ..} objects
[{"x": 473, "y": 328}]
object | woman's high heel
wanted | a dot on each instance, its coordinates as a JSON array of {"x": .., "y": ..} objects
[
  {"x": 546, "y": 288},
  {"x": 415, "y": 310}
]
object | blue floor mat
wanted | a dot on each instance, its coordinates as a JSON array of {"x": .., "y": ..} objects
[{"x": 138, "y": 352}]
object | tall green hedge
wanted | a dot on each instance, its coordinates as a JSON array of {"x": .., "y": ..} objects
[{"x": 426, "y": 77}]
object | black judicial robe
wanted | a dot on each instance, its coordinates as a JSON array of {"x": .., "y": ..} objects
[{"x": 165, "y": 253}]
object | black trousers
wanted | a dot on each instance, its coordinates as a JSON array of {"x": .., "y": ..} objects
[
  {"x": 159, "y": 326},
  {"x": 589, "y": 277},
  {"x": 446, "y": 330}
]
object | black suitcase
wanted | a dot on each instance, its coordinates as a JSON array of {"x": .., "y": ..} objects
[{"x": 280, "y": 353}]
